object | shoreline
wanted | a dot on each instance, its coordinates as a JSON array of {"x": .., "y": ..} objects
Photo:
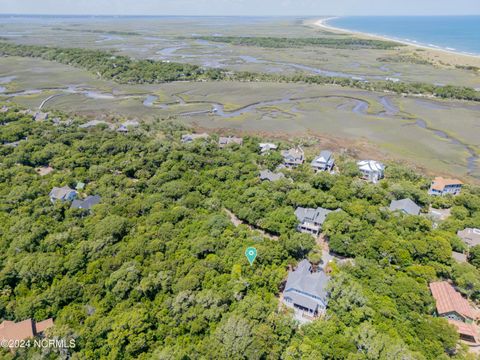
[{"x": 323, "y": 23}]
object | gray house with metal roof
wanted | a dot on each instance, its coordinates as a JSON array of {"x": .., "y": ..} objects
[
  {"x": 293, "y": 157},
  {"x": 62, "y": 194},
  {"x": 305, "y": 291},
  {"x": 86, "y": 204},
  {"x": 406, "y": 206},
  {"x": 324, "y": 161},
  {"x": 267, "y": 175},
  {"x": 311, "y": 220}
]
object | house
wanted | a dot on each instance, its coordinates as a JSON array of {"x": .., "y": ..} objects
[
  {"x": 293, "y": 157},
  {"x": 40, "y": 116},
  {"x": 94, "y": 123},
  {"x": 124, "y": 128},
  {"x": 371, "y": 170},
  {"x": 324, "y": 161},
  {"x": 62, "y": 194},
  {"x": 470, "y": 236},
  {"x": 4, "y": 109},
  {"x": 311, "y": 220},
  {"x": 441, "y": 186},
  {"x": 11, "y": 331},
  {"x": 439, "y": 214},
  {"x": 406, "y": 206},
  {"x": 265, "y": 148},
  {"x": 451, "y": 304},
  {"x": 80, "y": 186},
  {"x": 267, "y": 175},
  {"x": 306, "y": 292},
  {"x": 86, "y": 204},
  {"x": 467, "y": 332},
  {"x": 459, "y": 257},
  {"x": 188, "y": 138},
  {"x": 225, "y": 141}
]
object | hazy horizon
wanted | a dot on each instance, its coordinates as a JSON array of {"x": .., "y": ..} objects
[{"x": 240, "y": 8}]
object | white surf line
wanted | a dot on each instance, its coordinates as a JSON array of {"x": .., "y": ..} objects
[{"x": 322, "y": 23}]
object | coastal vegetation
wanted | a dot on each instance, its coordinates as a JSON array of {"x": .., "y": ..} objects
[
  {"x": 125, "y": 70},
  {"x": 406, "y": 59},
  {"x": 326, "y": 42},
  {"x": 157, "y": 269}
]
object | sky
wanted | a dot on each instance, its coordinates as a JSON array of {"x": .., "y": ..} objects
[{"x": 242, "y": 7}]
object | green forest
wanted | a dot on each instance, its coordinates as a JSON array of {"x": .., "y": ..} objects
[
  {"x": 125, "y": 70},
  {"x": 326, "y": 42},
  {"x": 157, "y": 271}
]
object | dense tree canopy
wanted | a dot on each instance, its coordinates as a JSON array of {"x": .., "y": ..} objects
[{"x": 157, "y": 269}]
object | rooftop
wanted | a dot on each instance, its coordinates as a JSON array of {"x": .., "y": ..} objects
[
  {"x": 470, "y": 236},
  {"x": 305, "y": 281},
  {"x": 264, "y": 147},
  {"x": 370, "y": 166},
  {"x": 317, "y": 215},
  {"x": 22, "y": 330},
  {"x": 465, "y": 329},
  {"x": 459, "y": 257},
  {"x": 192, "y": 137},
  {"x": 293, "y": 154},
  {"x": 439, "y": 183},
  {"x": 87, "y": 203},
  {"x": 60, "y": 193},
  {"x": 223, "y": 141},
  {"x": 449, "y": 300},
  {"x": 270, "y": 176},
  {"x": 406, "y": 205}
]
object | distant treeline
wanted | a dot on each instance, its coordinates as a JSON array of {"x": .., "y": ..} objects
[
  {"x": 110, "y": 66},
  {"x": 282, "y": 42},
  {"x": 106, "y": 32},
  {"x": 125, "y": 70}
]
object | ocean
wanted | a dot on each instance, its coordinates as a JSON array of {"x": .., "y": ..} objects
[{"x": 454, "y": 33}]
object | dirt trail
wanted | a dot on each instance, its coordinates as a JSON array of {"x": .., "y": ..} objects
[{"x": 237, "y": 222}]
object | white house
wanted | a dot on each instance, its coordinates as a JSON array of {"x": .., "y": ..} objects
[
  {"x": 371, "y": 170},
  {"x": 267, "y": 147}
]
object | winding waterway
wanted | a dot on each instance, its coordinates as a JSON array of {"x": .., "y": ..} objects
[{"x": 355, "y": 105}]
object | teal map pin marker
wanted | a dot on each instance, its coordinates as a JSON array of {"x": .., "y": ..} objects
[{"x": 251, "y": 254}]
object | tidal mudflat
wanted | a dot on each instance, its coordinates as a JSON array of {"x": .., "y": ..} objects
[{"x": 417, "y": 130}]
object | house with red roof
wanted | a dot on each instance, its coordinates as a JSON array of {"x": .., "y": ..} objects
[
  {"x": 456, "y": 309},
  {"x": 11, "y": 331}
]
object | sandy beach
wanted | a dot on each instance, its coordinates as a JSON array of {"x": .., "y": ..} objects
[{"x": 439, "y": 57}]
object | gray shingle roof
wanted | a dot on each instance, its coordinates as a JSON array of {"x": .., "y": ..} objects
[
  {"x": 270, "y": 176},
  {"x": 224, "y": 141},
  {"x": 306, "y": 288},
  {"x": 87, "y": 203},
  {"x": 192, "y": 137},
  {"x": 324, "y": 160},
  {"x": 316, "y": 216},
  {"x": 405, "y": 205},
  {"x": 293, "y": 156}
]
